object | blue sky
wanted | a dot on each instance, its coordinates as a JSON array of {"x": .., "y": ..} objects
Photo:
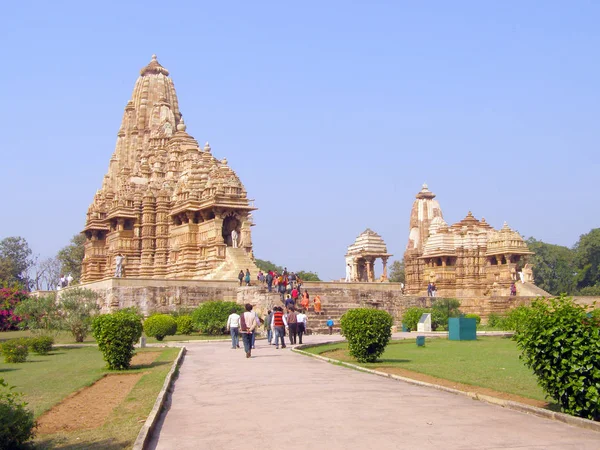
[{"x": 332, "y": 113}]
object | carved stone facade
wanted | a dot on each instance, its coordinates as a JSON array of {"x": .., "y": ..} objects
[
  {"x": 167, "y": 205},
  {"x": 467, "y": 259},
  {"x": 361, "y": 257}
]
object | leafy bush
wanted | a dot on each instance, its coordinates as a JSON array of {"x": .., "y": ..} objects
[
  {"x": 10, "y": 297},
  {"x": 368, "y": 331},
  {"x": 474, "y": 316},
  {"x": 211, "y": 317},
  {"x": 561, "y": 344},
  {"x": 42, "y": 345},
  {"x": 15, "y": 350},
  {"x": 159, "y": 326},
  {"x": 17, "y": 424},
  {"x": 116, "y": 334},
  {"x": 78, "y": 307},
  {"x": 517, "y": 318},
  {"x": 411, "y": 317},
  {"x": 442, "y": 310},
  {"x": 39, "y": 314},
  {"x": 495, "y": 320},
  {"x": 184, "y": 325}
]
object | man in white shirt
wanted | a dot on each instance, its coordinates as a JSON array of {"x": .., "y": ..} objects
[
  {"x": 302, "y": 321},
  {"x": 233, "y": 326}
]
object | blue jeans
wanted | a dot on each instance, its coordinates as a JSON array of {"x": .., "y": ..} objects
[
  {"x": 279, "y": 332},
  {"x": 253, "y": 338},
  {"x": 247, "y": 338},
  {"x": 235, "y": 337},
  {"x": 269, "y": 335}
]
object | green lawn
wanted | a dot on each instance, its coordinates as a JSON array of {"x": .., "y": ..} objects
[{"x": 489, "y": 362}]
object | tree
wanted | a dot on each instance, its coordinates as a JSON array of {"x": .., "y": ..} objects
[
  {"x": 71, "y": 257},
  {"x": 40, "y": 315},
  {"x": 442, "y": 309},
  {"x": 44, "y": 274},
  {"x": 553, "y": 267},
  {"x": 397, "y": 272},
  {"x": 266, "y": 266},
  {"x": 587, "y": 259},
  {"x": 15, "y": 260},
  {"x": 308, "y": 276},
  {"x": 77, "y": 310}
]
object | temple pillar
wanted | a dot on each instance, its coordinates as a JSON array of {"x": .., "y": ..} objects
[
  {"x": 384, "y": 260},
  {"x": 370, "y": 271}
]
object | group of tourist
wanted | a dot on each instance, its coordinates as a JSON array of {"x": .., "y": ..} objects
[
  {"x": 431, "y": 290},
  {"x": 64, "y": 281},
  {"x": 244, "y": 277}
]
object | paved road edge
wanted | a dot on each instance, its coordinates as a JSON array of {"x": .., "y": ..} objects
[
  {"x": 552, "y": 415},
  {"x": 144, "y": 435}
]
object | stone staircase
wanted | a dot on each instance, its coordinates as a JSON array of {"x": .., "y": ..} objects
[
  {"x": 236, "y": 259},
  {"x": 530, "y": 290}
]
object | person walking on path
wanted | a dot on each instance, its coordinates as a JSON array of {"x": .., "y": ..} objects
[
  {"x": 289, "y": 302},
  {"x": 241, "y": 276},
  {"x": 305, "y": 302},
  {"x": 292, "y": 321},
  {"x": 255, "y": 330},
  {"x": 268, "y": 319},
  {"x": 330, "y": 324},
  {"x": 302, "y": 321},
  {"x": 233, "y": 326},
  {"x": 317, "y": 304},
  {"x": 247, "y": 278},
  {"x": 279, "y": 323},
  {"x": 248, "y": 325},
  {"x": 269, "y": 280}
]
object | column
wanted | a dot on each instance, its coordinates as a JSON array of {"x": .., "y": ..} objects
[{"x": 384, "y": 260}]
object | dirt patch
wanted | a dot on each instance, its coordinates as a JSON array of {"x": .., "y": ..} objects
[
  {"x": 144, "y": 358},
  {"x": 89, "y": 407},
  {"x": 341, "y": 355}
]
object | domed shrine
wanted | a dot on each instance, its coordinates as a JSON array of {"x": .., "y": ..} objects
[
  {"x": 166, "y": 205},
  {"x": 469, "y": 258},
  {"x": 361, "y": 256}
]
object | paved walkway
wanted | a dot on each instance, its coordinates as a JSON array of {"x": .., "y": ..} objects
[{"x": 282, "y": 400}]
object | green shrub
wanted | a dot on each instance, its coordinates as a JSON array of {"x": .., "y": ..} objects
[
  {"x": 39, "y": 314},
  {"x": 42, "y": 345},
  {"x": 15, "y": 350},
  {"x": 442, "y": 309},
  {"x": 116, "y": 334},
  {"x": 517, "y": 318},
  {"x": 159, "y": 326},
  {"x": 211, "y": 317},
  {"x": 17, "y": 424},
  {"x": 184, "y": 325},
  {"x": 411, "y": 317},
  {"x": 561, "y": 344},
  {"x": 368, "y": 331},
  {"x": 495, "y": 320},
  {"x": 474, "y": 316},
  {"x": 78, "y": 307}
]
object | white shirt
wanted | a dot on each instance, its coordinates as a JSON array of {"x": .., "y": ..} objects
[
  {"x": 301, "y": 318},
  {"x": 233, "y": 321}
]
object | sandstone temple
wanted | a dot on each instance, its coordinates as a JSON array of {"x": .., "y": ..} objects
[
  {"x": 361, "y": 257},
  {"x": 167, "y": 207},
  {"x": 467, "y": 259}
]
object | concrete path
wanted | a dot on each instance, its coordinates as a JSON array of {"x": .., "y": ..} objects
[{"x": 282, "y": 400}]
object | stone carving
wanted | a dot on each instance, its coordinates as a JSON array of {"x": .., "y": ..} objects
[
  {"x": 361, "y": 256},
  {"x": 166, "y": 204},
  {"x": 466, "y": 259}
]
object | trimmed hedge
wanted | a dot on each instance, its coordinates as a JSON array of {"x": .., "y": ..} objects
[
  {"x": 368, "y": 331},
  {"x": 211, "y": 317},
  {"x": 561, "y": 344},
  {"x": 42, "y": 345},
  {"x": 411, "y": 317},
  {"x": 184, "y": 325},
  {"x": 15, "y": 350},
  {"x": 159, "y": 326},
  {"x": 116, "y": 335},
  {"x": 474, "y": 316},
  {"x": 17, "y": 425}
]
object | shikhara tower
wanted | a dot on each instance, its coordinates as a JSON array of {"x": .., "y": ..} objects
[{"x": 166, "y": 204}]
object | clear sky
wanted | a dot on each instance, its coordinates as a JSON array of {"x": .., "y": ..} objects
[{"x": 333, "y": 113}]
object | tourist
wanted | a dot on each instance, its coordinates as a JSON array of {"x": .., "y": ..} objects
[
  {"x": 433, "y": 290},
  {"x": 260, "y": 277},
  {"x": 234, "y": 238},
  {"x": 268, "y": 319},
  {"x": 513, "y": 289},
  {"x": 233, "y": 326},
  {"x": 255, "y": 330},
  {"x": 302, "y": 322},
  {"x": 402, "y": 288},
  {"x": 305, "y": 302},
  {"x": 330, "y": 324},
  {"x": 63, "y": 281},
  {"x": 279, "y": 324},
  {"x": 269, "y": 280},
  {"x": 248, "y": 325},
  {"x": 429, "y": 290},
  {"x": 241, "y": 276},
  {"x": 295, "y": 294},
  {"x": 292, "y": 279},
  {"x": 119, "y": 265},
  {"x": 69, "y": 279},
  {"x": 289, "y": 302},
  {"x": 292, "y": 321},
  {"x": 281, "y": 289},
  {"x": 247, "y": 278},
  {"x": 317, "y": 304},
  {"x": 348, "y": 273}
]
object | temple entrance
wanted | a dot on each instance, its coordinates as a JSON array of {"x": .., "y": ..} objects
[{"x": 230, "y": 223}]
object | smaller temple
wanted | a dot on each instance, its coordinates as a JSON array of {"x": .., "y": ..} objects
[{"x": 362, "y": 254}]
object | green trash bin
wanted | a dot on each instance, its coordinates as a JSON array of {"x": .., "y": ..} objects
[
  {"x": 462, "y": 329},
  {"x": 420, "y": 341},
  {"x": 405, "y": 329}
]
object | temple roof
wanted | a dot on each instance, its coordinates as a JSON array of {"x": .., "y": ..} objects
[
  {"x": 506, "y": 241},
  {"x": 368, "y": 243}
]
